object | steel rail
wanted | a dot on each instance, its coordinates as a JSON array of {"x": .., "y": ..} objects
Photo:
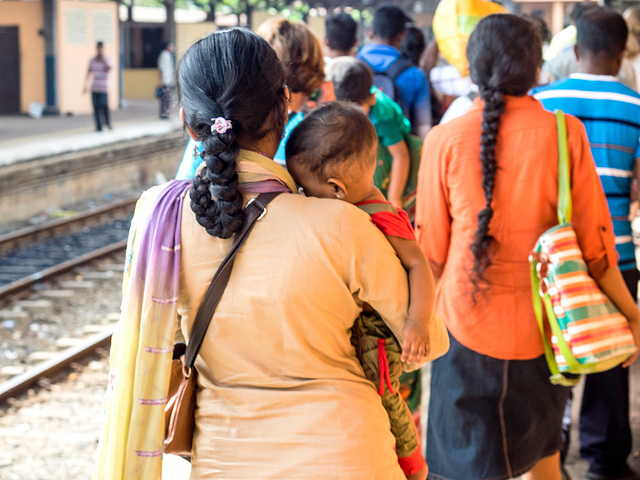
[
  {"x": 36, "y": 230},
  {"x": 32, "y": 279},
  {"x": 50, "y": 368}
]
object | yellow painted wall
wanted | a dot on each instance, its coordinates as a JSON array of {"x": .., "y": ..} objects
[
  {"x": 140, "y": 82},
  {"x": 28, "y": 17},
  {"x": 189, "y": 33},
  {"x": 80, "y": 25}
]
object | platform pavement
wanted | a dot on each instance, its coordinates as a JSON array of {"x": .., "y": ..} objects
[{"x": 23, "y": 138}]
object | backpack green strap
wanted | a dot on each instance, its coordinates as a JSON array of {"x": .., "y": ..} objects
[
  {"x": 537, "y": 308},
  {"x": 373, "y": 208},
  {"x": 564, "y": 177}
]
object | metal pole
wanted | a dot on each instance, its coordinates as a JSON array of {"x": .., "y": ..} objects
[
  {"x": 121, "y": 37},
  {"x": 50, "y": 39}
]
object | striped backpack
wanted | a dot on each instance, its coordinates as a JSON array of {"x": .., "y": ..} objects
[{"x": 588, "y": 333}]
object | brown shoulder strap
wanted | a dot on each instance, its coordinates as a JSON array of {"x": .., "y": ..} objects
[{"x": 254, "y": 211}]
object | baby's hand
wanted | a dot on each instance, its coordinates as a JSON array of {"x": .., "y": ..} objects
[{"x": 416, "y": 340}]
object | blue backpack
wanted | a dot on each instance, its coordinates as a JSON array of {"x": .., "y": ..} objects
[{"x": 385, "y": 80}]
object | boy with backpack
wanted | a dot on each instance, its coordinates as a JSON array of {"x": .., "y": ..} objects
[
  {"x": 394, "y": 74},
  {"x": 398, "y": 154}
]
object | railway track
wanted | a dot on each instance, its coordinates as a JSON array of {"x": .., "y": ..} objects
[
  {"x": 34, "y": 254},
  {"x": 59, "y": 293}
]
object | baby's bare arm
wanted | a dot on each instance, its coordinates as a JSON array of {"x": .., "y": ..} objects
[{"x": 421, "y": 297}]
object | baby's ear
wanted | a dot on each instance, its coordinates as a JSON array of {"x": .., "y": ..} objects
[{"x": 339, "y": 188}]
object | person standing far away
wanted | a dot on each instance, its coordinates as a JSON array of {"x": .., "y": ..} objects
[
  {"x": 610, "y": 112},
  {"x": 99, "y": 67},
  {"x": 166, "y": 70},
  {"x": 394, "y": 74}
]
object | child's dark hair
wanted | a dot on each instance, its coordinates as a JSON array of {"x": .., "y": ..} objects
[
  {"x": 352, "y": 80},
  {"x": 340, "y": 31},
  {"x": 601, "y": 31},
  {"x": 236, "y": 75},
  {"x": 332, "y": 134},
  {"x": 504, "y": 53},
  {"x": 389, "y": 21},
  {"x": 413, "y": 44}
]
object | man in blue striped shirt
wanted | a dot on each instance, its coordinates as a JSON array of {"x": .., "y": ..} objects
[{"x": 611, "y": 115}]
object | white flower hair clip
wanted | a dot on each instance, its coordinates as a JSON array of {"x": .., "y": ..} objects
[{"x": 220, "y": 125}]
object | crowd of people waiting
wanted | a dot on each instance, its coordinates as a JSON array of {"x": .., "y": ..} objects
[{"x": 310, "y": 367}]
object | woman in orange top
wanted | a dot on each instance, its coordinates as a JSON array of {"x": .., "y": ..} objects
[{"x": 487, "y": 190}]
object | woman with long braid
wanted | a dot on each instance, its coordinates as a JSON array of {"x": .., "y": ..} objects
[
  {"x": 281, "y": 393},
  {"x": 488, "y": 188}
]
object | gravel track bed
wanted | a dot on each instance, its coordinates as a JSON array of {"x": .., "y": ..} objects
[
  {"x": 58, "y": 314},
  {"x": 19, "y": 263},
  {"x": 52, "y": 433}
]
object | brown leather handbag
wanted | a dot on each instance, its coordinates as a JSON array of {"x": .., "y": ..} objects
[{"x": 181, "y": 406}]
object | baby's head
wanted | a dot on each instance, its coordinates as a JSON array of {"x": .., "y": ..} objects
[
  {"x": 352, "y": 81},
  {"x": 332, "y": 152}
]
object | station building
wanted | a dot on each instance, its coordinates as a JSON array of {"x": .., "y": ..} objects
[{"x": 46, "y": 48}]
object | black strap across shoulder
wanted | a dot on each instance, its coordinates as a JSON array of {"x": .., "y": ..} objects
[
  {"x": 254, "y": 211},
  {"x": 397, "y": 68},
  {"x": 394, "y": 70}
]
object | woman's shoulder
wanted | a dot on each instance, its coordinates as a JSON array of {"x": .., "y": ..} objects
[
  {"x": 573, "y": 123},
  {"x": 326, "y": 215},
  {"x": 462, "y": 129},
  {"x": 321, "y": 209}
]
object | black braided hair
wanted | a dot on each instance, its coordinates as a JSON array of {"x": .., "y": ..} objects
[
  {"x": 236, "y": 75},
  {"x": 504, "y": 53}
]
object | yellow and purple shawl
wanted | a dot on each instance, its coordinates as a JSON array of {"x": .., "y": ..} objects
[{"x": 131, "y": 444}]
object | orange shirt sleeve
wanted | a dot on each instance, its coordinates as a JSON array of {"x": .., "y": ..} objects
[
  {"x": 591, "y": 218},
  {"x": 433, "y": 218}
]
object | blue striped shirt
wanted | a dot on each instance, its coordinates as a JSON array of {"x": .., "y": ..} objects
[{"x": 610, "y": 113}]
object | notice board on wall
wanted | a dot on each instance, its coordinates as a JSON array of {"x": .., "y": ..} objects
[
  {"x": 76, "y": 23},
  {"x": 103, "y": 26}
]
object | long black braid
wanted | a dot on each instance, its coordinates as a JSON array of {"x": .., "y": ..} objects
[
  {"x": 215, "y": 198},
  {"x": 504, "y": 53},
  {"x": 236, "y": 75}
]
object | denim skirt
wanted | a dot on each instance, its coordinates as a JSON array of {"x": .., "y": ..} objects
[{"x": 490, "y": 419}]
